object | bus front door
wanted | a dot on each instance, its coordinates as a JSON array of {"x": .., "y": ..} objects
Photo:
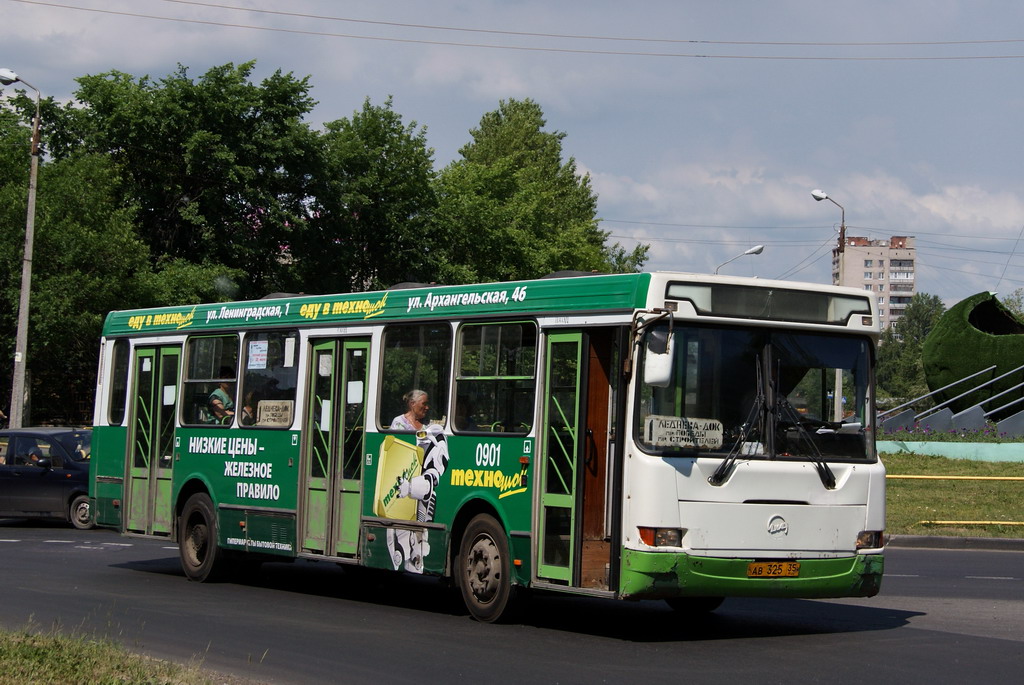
[
  {"x": 332, "y": 453},
  {"x": 154, "y": 402},
  {"x": 577, "y": 516}
]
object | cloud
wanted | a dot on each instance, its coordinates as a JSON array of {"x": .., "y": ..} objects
[
  {"x": 721, "y": 208},
  {"x": 977, "y": 208},
  {"x": 703, "y": 155},
  {"x": 960, "y": 209},
  {"x": 619, "y": 189}
]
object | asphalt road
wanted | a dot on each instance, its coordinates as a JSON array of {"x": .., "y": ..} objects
[{"x": 943, "y": 615}]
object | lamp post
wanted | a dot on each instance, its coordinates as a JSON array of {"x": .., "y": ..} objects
[
  {"x": 756, "y": 249},
  {"x": 819, "y": 195},
  {"x": 7, "y": 77}
]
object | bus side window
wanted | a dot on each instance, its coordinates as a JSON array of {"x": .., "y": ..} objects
[
  {"x": 416, "y": 357},
  {"x": 210, "y": 389},
  {"x": 495, "y": 382},
  {"x": 271, "y": 371},
  {"x": 119, "y": 382}
]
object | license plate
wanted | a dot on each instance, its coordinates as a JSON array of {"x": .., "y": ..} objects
[{"x": 773, "y": 569}]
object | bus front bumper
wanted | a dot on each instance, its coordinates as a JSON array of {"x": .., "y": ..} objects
[{"x": 661, "y": 575}]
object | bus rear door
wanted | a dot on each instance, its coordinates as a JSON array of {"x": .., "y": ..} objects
[{"x": 154, "y": 402}]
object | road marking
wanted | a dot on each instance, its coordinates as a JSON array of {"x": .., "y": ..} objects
[
  {"x": 991, "y": 577},
  {"x": 902, "y": 575},
  {"x": 61, "y": 542},
  {"x": 10, "y": 540},
  {"x": 117, "y": 544}
]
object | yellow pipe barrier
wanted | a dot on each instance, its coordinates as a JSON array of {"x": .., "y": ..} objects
[
  {"x": 1008, "y": 478},
  {"x": 962, "y": 523},
  {"x": 971, "y": 523}
]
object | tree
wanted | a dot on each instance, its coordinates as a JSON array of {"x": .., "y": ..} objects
[
  {"x": 1015, "y": 302},
  {"x": 180, "y": 282},
  {"x": 179, "y": 190},
  {"x": 86, "y": 261},
  {"x": 900, "y": 372},
  {"x": 622, "y": 261},
  {"x": 217, "y": 167},
  {"x": 919, "y": 318},
  {"x": 368, "y": 224},
  {"x": 511, "y": 208}
]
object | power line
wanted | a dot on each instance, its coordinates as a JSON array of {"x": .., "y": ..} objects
[
  {"x": 675, "y": 225},
  {"x": 969, "y": 273},
  {"x": 934, "y": 249},
  {"x": 961, "y": 257},
  {"x": 702, "y": 241},
  {"x": 523, "y": 48},
  {"x": 968, "y": 260},
  {"x": 891, "y": 232},
  {"x": 807, "y": 261},
  {"x": 939, "y": 247},
  {"x": 869, "y": 230},
  {"x": 571, "y": 36}
]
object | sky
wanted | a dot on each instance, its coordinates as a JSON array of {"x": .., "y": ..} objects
[{"x": 704, "y": 126}]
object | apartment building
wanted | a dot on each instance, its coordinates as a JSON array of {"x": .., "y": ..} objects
[{"x": 884, "y": 267}]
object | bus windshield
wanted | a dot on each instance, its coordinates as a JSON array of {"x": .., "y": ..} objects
[{"x": 755, "y": 393}]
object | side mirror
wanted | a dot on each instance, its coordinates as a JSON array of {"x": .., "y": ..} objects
[
  {"x": 658, "y": 340},
  {"x": 658, "y": 358},
  {"x": 44, "y": 463}
]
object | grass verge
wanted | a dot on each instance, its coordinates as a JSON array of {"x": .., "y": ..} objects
[
  {"x": 909, "y": 503},
  {"x": 28, "y": 657}
]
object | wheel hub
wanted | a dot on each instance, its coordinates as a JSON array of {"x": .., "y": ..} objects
[{"x": 484, "y": 569}]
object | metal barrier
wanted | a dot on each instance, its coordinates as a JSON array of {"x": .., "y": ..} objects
[{"x": 941, "y": 418}]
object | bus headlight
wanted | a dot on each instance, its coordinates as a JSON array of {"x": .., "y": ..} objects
[
  {"x": 871, "y": 539},
  {"x": 662, "y": 537}
]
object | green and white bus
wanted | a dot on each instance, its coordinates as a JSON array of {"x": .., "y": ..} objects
[{"x": 636, "y": 436}]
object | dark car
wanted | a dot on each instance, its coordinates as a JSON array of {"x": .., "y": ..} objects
[{"x": 44, "y": 473}]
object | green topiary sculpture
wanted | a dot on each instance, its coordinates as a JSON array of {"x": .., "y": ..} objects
[{"x": 974, "y": 334}]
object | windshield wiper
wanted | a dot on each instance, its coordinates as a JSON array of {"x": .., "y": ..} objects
[
  {"x": 767, "y": 418},
  {"x": 757, "y": 411},
  {"x": 828, "y": 479}
]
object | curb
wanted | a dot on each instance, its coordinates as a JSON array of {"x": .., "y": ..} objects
[{"x": 946, "y": 542}]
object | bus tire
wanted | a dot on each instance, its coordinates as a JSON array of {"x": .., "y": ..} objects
[
  {"x": 484, "y": 570},
  {"x": 201, "y": 558},
  {"x": 694, "y": 605},
  {"x": 80, "y": 513}
]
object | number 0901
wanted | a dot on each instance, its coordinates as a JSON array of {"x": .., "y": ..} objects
[{"x": 488, "y": 454}]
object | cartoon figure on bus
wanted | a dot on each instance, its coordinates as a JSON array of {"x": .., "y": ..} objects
[{"x": 408, "y": 548}]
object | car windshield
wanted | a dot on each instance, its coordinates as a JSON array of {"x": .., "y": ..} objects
[
  {"x": 756, "y": 393},
  {"x": 78, "y": 444}
]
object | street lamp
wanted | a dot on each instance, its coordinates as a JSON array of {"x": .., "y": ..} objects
[
  {"x": 819, "y": 195},
  {"x": 7, "y": 77},
  {"x": 756, "y": 249}
]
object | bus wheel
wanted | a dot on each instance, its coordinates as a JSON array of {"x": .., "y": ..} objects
[
  {"x": 485, "y": 576},
  {"x": 80, "y": 513},
  {"x": 695, "y": 605},
  {"x": 201, "y": 558}
]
